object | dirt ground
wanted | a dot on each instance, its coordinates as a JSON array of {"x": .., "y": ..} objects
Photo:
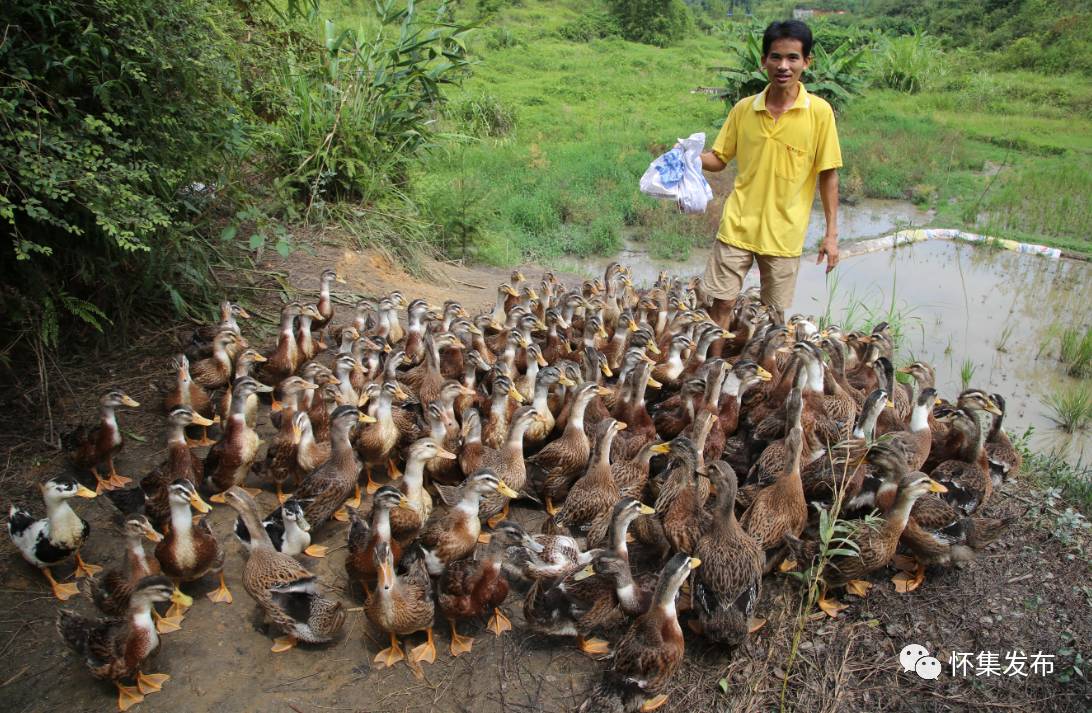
[{"x": 1029, "y": 593}]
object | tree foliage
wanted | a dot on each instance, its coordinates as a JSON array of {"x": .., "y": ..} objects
[
  {"x": 653, "y": 22},
  {"x": 110, "y": 109},
  {"x": 133, "y": 128}
]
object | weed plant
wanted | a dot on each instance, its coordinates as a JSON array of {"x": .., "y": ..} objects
[{"x": 1071, "y": 407}]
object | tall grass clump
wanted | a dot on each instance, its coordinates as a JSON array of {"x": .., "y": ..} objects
[
  {"x": 1071, "y": 407},
  {"x": 358, "y": 117},
  {"x": 1076, "y": 351},
  {"x": 967, "y": 369},
  {"x": 909, "y": 63}
]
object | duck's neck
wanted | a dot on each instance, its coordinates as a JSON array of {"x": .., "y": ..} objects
[
  {"x": 618, "y": 341},
  {"x": 304, "y": 329},
  {"x": 416, "y": 323},
  {"x": 542, "y": 393},
  {"x": 223, "y": 359},
  {"x": 602, "y": 456},
  {"x": 108, "y": 418},
  {"x": 897, "y": 517},
  {"x": 617, "y": 538},
  {"x": 287, "y": 320},
  {"x": 140, "y": 618},
  {"x": 182, "y": 521},
  {"x": 731, "y": 386},
  {"x": 664, "y": 601},
  {"x": 498, "y": 405},
  {"x": 977, "y": 443},
  {"x": 576, "y": 414},
  {"x": 674, "y": 359},
  {"x": 626, "y": 591},
  {"x": 470, "y": 374},
  {"x": 307, "y": 439},
  {"x": 514, "y": 443},
  {"x": 381, "y": 524},
  {"x": 134, "y": 548},
  {"x": 345, "y": 383},
  {"x": 259, "y": 538},
  {"x": 437, "y": 430},
  {"x": 498, "y": 314},
  {"x": 242, "y": 368},
  {"x": 58, "y": 509},
  {"x": 919, "y": 417},
  {"x": 468, "y": 505},
  {"x": 185, "y": 382},
  {"x": 414, "y": 477},
  {"x": 644, "y": 458},
  {"x": 176, "y": 436},
  {"x": 432, "y": 356},
  {"x": 341, "y": 447},
  {"x": 384, "y": 414},
  {"x": 532, "y": 373},
  {"x": 867, "y": 425},
  {"x": 815, "y": 376},
  {"x": 395, "y": 324}
]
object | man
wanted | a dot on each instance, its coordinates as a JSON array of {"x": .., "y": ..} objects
[{"x": 784, "y": 141}]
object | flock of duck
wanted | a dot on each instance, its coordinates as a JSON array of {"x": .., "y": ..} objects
[{"x": 586, "y": 403}]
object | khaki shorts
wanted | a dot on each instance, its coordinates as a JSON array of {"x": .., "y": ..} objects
[{"x": 728, "y": 265}]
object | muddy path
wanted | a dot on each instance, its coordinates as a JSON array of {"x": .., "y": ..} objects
[{"x": 1028, "y": 593}]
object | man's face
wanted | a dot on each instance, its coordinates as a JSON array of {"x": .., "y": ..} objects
[{"x": 785, "y": 62}]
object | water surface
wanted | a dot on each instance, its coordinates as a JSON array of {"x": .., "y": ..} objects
[{"x": 1000, "y": 310}]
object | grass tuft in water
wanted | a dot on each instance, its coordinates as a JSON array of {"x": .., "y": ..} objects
[
  {"x": 966, "y": 373},
  {"x": 1071, "y": 407},
  {"x": 1003, "y": 341},
  {"x": 1076, "y": 351}
]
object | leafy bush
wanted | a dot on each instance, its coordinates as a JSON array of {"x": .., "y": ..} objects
[
  {"x": 836, "y": 76},
  {"x": 746, "y": 78},
  {"x": 501, "y": 38},
  {"x": 653, "y": 22},
  {"x": 909, "y": 63},
  {"x": 111, "y": 109},
  {"x": 592, "y": 25},
  {"x": 488, "y": 8}
]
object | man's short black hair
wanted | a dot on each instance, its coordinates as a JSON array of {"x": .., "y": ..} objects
[{"x": 787, "y": 30}]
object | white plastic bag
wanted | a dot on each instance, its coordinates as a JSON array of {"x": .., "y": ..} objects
[{"x": 677, "y": 175}]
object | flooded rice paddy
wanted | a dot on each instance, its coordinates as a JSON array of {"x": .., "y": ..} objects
[{"x": 994, "y": 314}]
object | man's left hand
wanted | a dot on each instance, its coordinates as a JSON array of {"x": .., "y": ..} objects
[{"x": 828, "y": 249}]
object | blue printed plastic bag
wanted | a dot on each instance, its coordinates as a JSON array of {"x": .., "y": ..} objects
[{"x": 677, "y": 175}]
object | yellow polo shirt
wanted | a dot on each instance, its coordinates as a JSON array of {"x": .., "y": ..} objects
[{"x": 778, "y": 164}]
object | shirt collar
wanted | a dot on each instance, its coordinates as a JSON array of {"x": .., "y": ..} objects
[{"x": 803, "y": 101}]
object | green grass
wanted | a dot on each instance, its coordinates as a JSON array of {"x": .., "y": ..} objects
[
  {"x": 1053, "y": 473},
  {"x": 1001, "y": 153},
  {"x": 551, "y": 136},
  {"x": 1071, "y": 407}
]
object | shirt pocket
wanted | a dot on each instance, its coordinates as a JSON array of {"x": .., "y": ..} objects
[{"x": 792, "y": 161}]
